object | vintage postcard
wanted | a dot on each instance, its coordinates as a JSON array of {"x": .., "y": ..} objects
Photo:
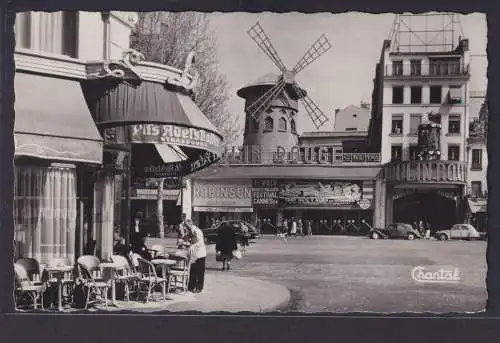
[{"x": 261, "y": 162}]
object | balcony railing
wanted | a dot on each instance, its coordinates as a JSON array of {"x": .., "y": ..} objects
[
  {"x": 302, "y": 155},
  {"x": 427, "y": 70}
]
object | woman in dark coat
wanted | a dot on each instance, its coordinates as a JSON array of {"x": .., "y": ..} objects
[{"x": 226, "y": 243}]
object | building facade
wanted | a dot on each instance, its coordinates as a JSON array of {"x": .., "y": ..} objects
[
  {"x": 325, "y": 178},
  {"x": 412, "y": 89},
  {"x": 477, "y": 158},
  {"x": 58, "y": 148},
  {"x": 86, "y": 138}
]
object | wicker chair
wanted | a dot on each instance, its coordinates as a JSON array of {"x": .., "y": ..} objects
[
  {"x": 125, "y": 274},
  {"x": 25, "y": 286},
  {"x": 89, "y": 271},
  {"x": 180, "y": 274},
  {"x": 150, "y": 278}
]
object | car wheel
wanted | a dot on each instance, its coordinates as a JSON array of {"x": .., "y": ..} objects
[
  {"x": 411, "y": 236},
  {"x": 443, "y": 237},
  {"x": 375, "y": 235}
]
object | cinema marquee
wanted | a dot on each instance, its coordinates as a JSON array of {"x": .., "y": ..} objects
[{"x": 442, "y": 172}]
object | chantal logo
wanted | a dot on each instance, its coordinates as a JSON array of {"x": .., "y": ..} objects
[{"x": 433, "y": 274}]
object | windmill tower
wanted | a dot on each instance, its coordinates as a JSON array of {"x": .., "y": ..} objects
[{"x": 271, "y": 105}]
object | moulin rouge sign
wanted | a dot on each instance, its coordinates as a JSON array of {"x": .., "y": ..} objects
[{"x": 426, "y": 172}]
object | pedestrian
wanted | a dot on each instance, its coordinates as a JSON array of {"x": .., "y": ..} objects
[
  {"x": 293, "y": 229},
  {"x": 300, "y": 227},
  {"x": 427, "y": 229},
  {"x": 198, "y": 254},
  {"x": 309, "y": 228},
  {"x": 284, "y": 230},
  {"x": 421, "y": 228},
  {"x": 245, "y": 235},
  {"x": 226, "y": 244},
  {"x": 138, "y": 245}
]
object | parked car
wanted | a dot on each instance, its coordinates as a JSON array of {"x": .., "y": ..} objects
[
  {"x": 458, "y": 231},
  {"x": 395, "y": 230},
  {"x": 211, "y": 232}
]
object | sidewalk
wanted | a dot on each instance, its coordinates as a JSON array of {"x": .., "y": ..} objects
[{"x": 223, "y": 292}]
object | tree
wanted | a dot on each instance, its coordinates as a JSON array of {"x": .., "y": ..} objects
[{"x": 168, "y": 38}]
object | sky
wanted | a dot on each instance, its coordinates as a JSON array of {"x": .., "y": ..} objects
[{"x": 344, "y": 75}]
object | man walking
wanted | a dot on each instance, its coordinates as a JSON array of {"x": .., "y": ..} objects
[{"x": 198, "y": 253}]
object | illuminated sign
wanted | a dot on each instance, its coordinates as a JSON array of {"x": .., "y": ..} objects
[{"x": 426, "y": 172}]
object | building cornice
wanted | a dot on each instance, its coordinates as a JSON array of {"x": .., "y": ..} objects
[
  {"x": 49, "y": 64},
  {"x": 27, "y": 60}
]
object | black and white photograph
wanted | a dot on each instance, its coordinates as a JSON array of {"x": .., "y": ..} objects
[{"x": 168, "y": 162}]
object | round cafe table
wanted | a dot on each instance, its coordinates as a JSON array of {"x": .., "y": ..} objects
[
  {"x": 164, "y": 263},
  {"x": 59, "y": 273}
]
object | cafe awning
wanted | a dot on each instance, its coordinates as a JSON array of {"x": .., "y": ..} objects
[
  {"x": 477, "y": 205},
  {"x": 53, "y": 122},
  {"x": 151, "y": 113}
]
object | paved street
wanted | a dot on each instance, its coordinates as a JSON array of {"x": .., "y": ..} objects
[{"x": 350, "y": 274}]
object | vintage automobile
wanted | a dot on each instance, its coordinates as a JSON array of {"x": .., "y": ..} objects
[
  {"x": 395, "y": 230},
  {"x": 211, "y": 232},
  {"x": 458, "y": 231}
]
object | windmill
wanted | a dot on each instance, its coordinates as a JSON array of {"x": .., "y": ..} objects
[{"x": 286, "y": 80}]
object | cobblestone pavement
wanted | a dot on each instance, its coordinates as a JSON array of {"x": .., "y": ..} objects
[{"x": 352, "y": 274}]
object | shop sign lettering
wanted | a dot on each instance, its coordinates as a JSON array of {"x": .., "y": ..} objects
[
  {"x": 265, "y": 192},
  {"x": 222, "y": 194},
  {"x": 164, "y": 134},
  {"x": 426, "y": 172}
]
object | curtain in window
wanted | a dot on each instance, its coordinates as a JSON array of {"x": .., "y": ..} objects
[
  {"x": 415, "y": 121},
  {"x": 104, "y": 202},
  {"x": 50, "y": 31},
  {"x": 45, "y": 212},
  {"x": 22, "y": 29}
]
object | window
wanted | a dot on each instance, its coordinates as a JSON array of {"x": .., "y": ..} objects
[
  {"x": 269, "y": 110},
  {"x": 268, "y": 124},
  {"x": 453, "y": 152},
  {"x": 415, "y": 67},
  {"x": 396, "y": 152},
  {"x": 397, "y": 124},
  {"x": 23, "y": 30},
  {"x": 477, "y": 157},
  {"x": 354, "y": 115},
  {"x": 292, "y": 126},
  {"x": 45, "y": 212},
  {"x": 416, "y": 94},
  {"x": 475, "y": 189},
  {"x": 436, "y": 95},
  {"x": 254, "y": 125},
  {"x": 397, "y": 68},
  {"x": 351, "y": 129},
  {"x": 413, "y": 153},
  {"x": 282, "y": 124},
  {"x": 57, "y": 32},
  {"x": 454, "y": 124},
  {"x": 397, "y": 94},
  {"x": 415, "y": 121},
  {"x": 455, "y": 95}
]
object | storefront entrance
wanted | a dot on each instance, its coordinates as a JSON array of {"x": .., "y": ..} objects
[{"x": 439, "y": 209}]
